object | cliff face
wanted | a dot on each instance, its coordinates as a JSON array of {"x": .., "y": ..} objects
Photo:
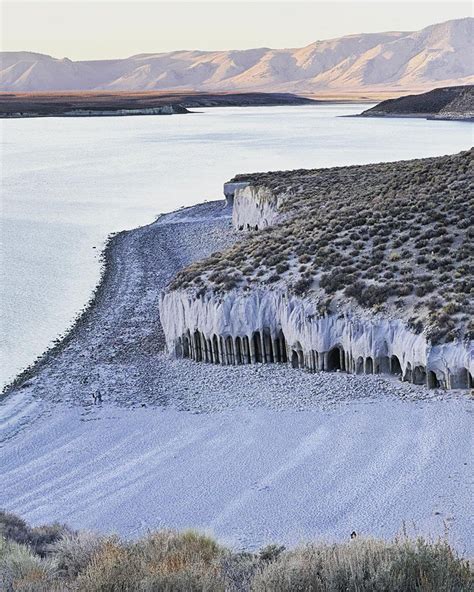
[
  {"x": 272, "y": 326},
  {"x": 254, "y": 207},
  {"x": 265, "y": 300}
]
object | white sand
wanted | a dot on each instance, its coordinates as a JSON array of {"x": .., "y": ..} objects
[{"x": 249, "y": 476}]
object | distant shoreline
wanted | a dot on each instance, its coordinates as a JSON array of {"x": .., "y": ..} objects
[
  {"x": 452, "y": 103},
  {"x": 107, "y": 104},
  {"x": 427, "y": 116}
]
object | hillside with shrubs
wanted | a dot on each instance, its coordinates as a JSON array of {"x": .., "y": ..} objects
[
  {"x": 55, "y": 558},
  {"x": 395, "y": 238},
  {"x": 452, "y": 102}
]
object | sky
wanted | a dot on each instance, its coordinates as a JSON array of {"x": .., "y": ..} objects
[{"x": 90, "y": 29}]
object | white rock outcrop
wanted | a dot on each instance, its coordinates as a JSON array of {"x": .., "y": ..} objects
[
  {"x": 254, "y": 207},
  {"x": 230, "y": 189},
  {"x": 272, "y": 326}
]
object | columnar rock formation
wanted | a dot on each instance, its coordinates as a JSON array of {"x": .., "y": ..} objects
[
  {"x": 273, "y": 327},
  {"x": 276, "y": 297}
]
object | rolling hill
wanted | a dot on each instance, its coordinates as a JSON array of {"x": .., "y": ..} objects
[
  {"x": 438, "y": 55},
  {"x": 453, "y": 102}
]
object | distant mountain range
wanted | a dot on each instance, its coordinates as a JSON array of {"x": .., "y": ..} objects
[{"x": 438, "y": 55}]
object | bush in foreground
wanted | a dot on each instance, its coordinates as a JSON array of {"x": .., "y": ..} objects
[{"x": 168, "y": 561}]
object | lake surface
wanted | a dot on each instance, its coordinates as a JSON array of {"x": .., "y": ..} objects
[{"x": 69, "y": 182}]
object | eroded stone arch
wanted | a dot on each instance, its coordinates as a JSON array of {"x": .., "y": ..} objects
[
  {"x": 256, "y": 347},
  {"x": 336, "y": 359},
  {"x": 395, "y": 366},
  {"x": 369, "y": 365},
  {"x": 238, "y": 351},
  {"x": 419, "y": 375},
  {"x": 246, "y": 350},
  {"x": 433, "y": 381},
  {"x": 408, "y": 376},
  {"x": 229, "y": 350},
  {"x": 215, "y": 349}
]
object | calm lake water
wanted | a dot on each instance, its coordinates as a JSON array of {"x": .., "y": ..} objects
[{"x": 68, "y": 183}]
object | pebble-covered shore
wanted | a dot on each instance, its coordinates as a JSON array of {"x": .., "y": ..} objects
[{"x": 117, "y": 347}]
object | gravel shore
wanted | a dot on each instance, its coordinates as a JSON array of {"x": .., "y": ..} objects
[{"x": 117, "y": 345}]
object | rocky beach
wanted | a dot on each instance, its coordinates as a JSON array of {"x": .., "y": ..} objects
[{"x": 117, "y": 346}]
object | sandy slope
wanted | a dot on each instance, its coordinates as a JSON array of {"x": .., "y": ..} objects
[
  {"x": 249, "y": 476},
  {"x": 438, "y": 55}
]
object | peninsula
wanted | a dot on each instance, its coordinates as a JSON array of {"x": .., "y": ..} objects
[
  {"x": 378, "y": 283},
  {"x": 453, "y": 103},
  {"x": 117, "y": 103}
]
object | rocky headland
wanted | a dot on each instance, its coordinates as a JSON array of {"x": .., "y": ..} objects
[
  {"x": 109, "y": 431},
  {"x": 362, "y": 269},
  {"x": 291, "y": 271},
  {"x": 451, "y": 103},
  {"x": 117, "y": 345}
]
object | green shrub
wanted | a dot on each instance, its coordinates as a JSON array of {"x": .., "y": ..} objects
[
  {"x": 301, "y": 286},
  {"x": 73, "y": 552},
  {"x": 166, "y": 560}
]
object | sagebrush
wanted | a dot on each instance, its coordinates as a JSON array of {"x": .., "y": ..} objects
[{"x": 167, "y": 561}]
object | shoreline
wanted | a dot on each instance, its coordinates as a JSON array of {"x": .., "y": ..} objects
[
  {"x": 96, "y": 104},
  {"x": 81, "y": 359},
  {"x": 61, "y": 341},
  {"x": 172, "y": 110},
  {"x": 426, "y": 116},
  {"x": 259, "y": 433},
  {"x": 109, "y": 263}
]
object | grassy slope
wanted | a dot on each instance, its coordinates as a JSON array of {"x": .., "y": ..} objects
[{"x": 391, "y": 237}]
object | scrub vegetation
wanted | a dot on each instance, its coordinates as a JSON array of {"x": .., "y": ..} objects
[
  {"x": 452, "y": 102},
  {"x": 58, "y": 559},
  {"x": 390, "y": 237}
]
